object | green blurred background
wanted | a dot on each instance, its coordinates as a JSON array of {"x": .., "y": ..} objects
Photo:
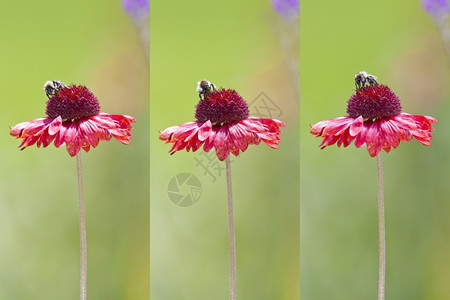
[
  {"x": 84, "y": 42},
  {"x": 398, "y": 42},
  {"x": 234, "y": 44}
]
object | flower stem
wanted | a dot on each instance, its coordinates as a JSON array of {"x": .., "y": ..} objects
[
  {"x": 288, "y": 35},
  {"x": 83, "y": 252},
  {"x": 231, "y": 232},
  {"x": 381, "y": 231}
]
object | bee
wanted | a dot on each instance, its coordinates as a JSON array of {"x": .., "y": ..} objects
[
  {"x": 361, "y": 78},
  {"x": 204, "y": 87},
  {"x": 51, "y": 87}
]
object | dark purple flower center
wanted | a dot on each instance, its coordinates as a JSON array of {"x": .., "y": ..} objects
[
  {"x": 221, "y": 106},
  {"x": 73, "y": 102},
  {"x": 374, "y": 102}
]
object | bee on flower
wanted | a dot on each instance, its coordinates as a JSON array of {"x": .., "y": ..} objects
[
  {"x": 73, "y": 119},
  {"x": 374, "y": 119},
  {"x": 222, "y": 123}
]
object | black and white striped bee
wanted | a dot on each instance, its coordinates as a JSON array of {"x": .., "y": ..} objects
[
  {"x": 204, "y": 87},
  {"x": 362, "y": 78},
  {"x": 52, "y": 86}
]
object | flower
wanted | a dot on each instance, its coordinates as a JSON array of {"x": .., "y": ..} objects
[
  {"x": 286, "y": 8},
  {"x": 137, "y": 8},
  {"x": 436, "y": 8},
  {"x": 74, "y": 119},
  {"x": 374, "y": 119},
  {"x": 139, "y": 11},
  {"x": 222, "y": 123}
]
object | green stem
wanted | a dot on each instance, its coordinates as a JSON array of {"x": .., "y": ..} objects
[
  {"x": 381, "y": 231},
  {"x": 83, "y": 252},
  {"x": 232, "y": 243}
]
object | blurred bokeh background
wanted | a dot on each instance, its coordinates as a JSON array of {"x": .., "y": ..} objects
[
  {"x": 85, "y": 42},
  {"x": 398, "y": 42},
  {"x": 234, "y": 44}
]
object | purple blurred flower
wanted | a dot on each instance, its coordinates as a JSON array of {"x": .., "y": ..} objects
[
  {"x": 286, "y": 8},
  {"x": 139, "y": 13},
  {"x": 436, "y": 8},
  {"x": 136, "y": 8}
]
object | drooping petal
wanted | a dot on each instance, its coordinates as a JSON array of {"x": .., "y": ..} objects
[
  {"x": 89, "y": 131},
  {"x": 266, "y": 130},
  {"x": 60, "y": 136},
  {"x": 356, "y": 126},
  {"x": 30, "y": 132},
  {"x": 118, "y": 126},
  {"x": 373, "y": 139},
  {"x": 55, "y": 125},
  {"x": 72, "y": 140},
  {"x": 221, "y": 143},
  {"x": 331, "y": 130},
  {"x": 204, "y": 131},
  {"x": 237, "y": 134},
  {"x": 209, "y": 142}
]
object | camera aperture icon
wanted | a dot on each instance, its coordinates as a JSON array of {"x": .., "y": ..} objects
[{"x": 184, "y": 189}]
